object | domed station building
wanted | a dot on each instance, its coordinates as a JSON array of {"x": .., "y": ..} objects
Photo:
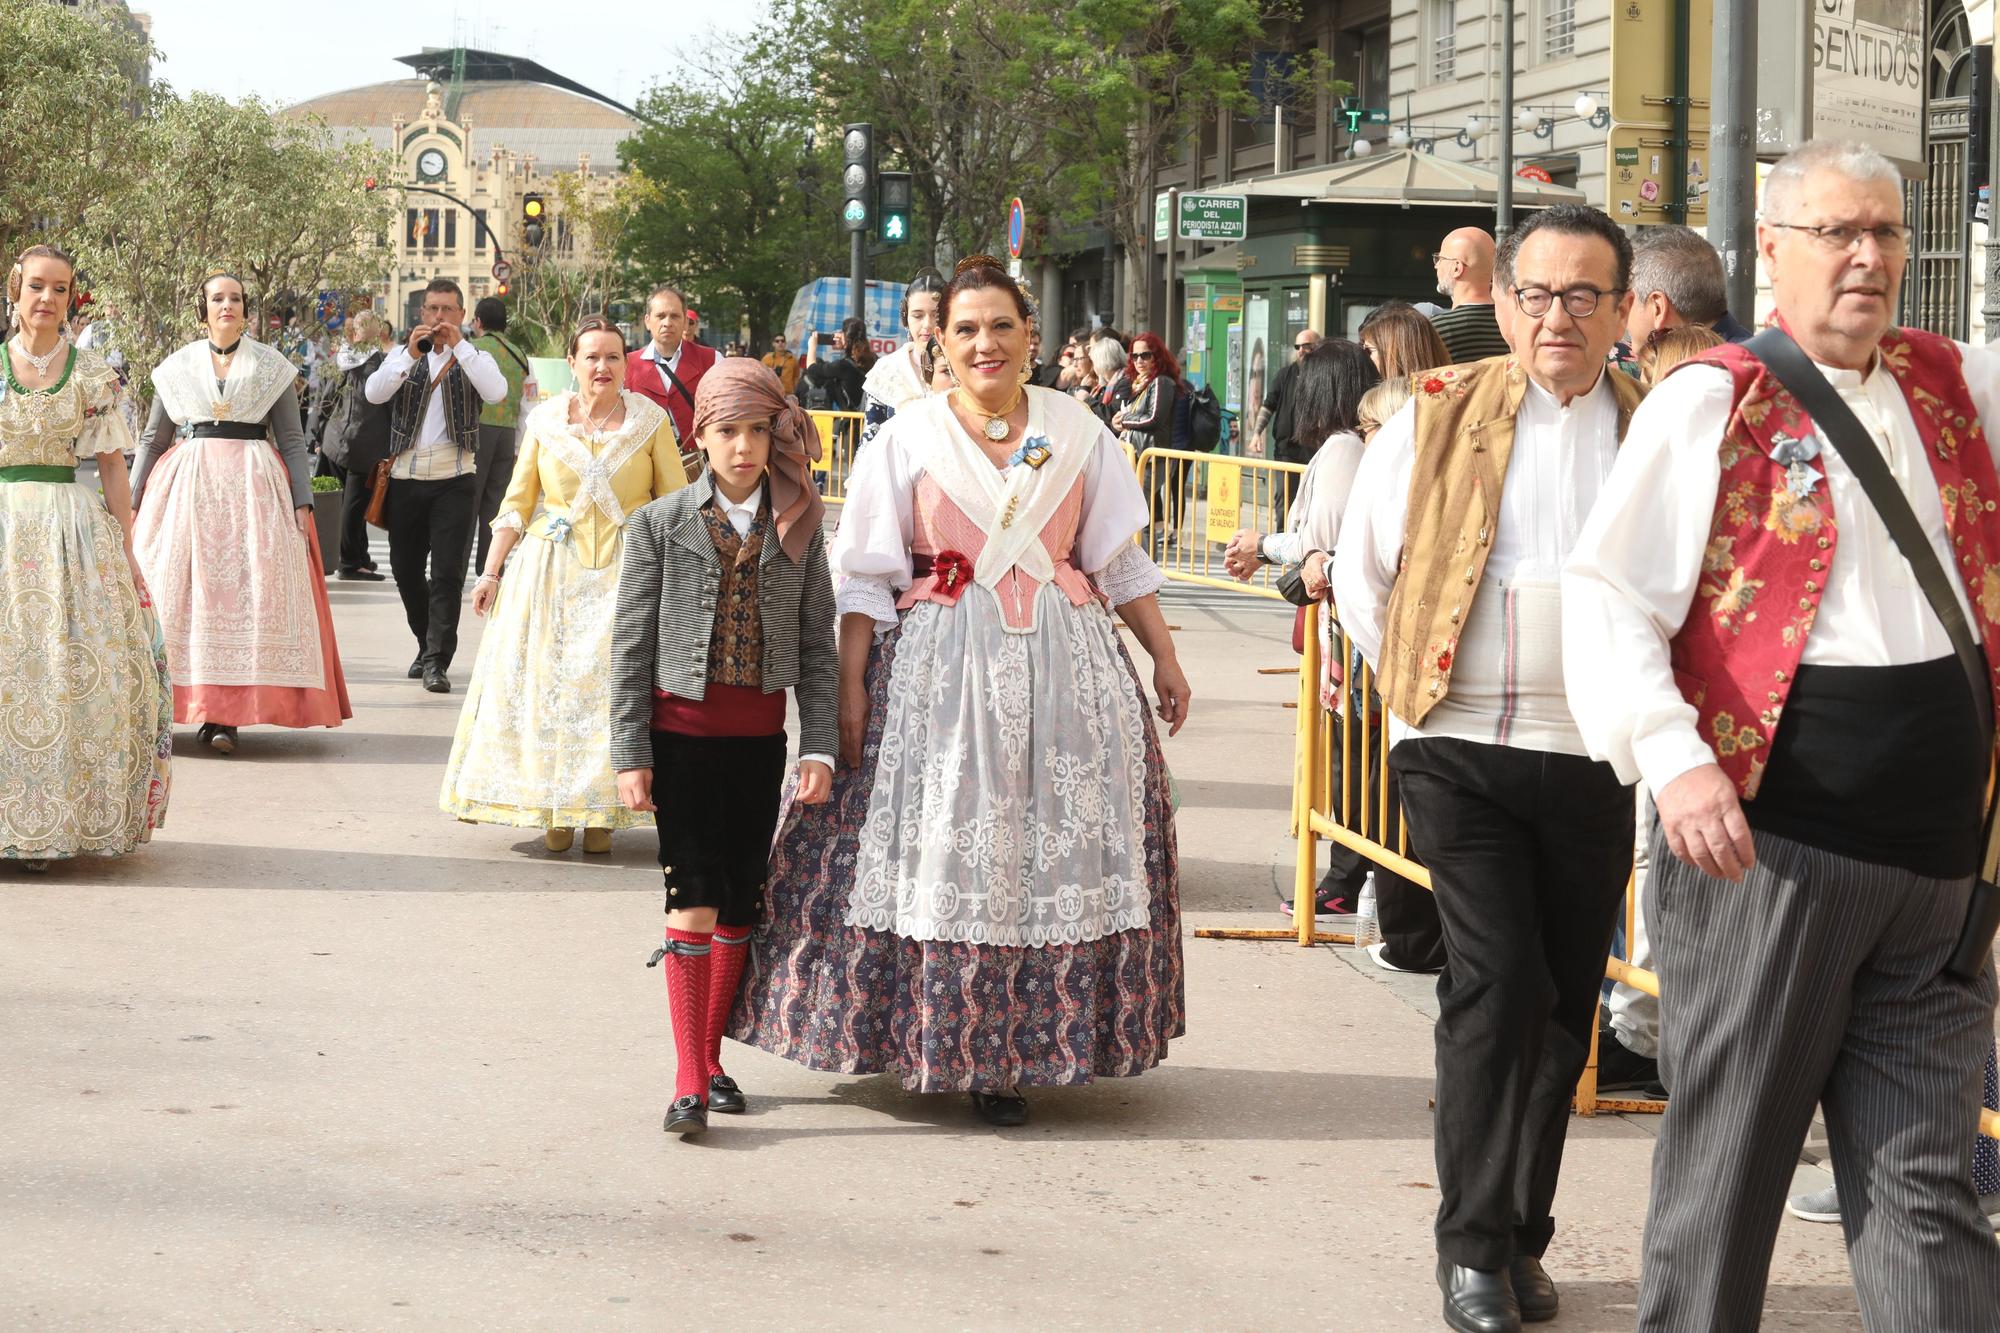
[{"x": 485, "y": 131}]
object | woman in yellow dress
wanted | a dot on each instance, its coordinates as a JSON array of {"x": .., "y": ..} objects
[
  {"x": 86, "y": 711},
  {"x": 533, "y": 748}
]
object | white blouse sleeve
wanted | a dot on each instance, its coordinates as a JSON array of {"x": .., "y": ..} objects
[
  {"x": 1114, "y": 508},
  {"x": 105, "y": 430},
  {"x": 1631, "y": 579},
  {"x": 870, "y": 553},
  {"x": 1368, "y": 559}
]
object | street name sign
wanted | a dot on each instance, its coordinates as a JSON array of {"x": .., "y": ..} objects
[{"x": 1214, "y": 217}]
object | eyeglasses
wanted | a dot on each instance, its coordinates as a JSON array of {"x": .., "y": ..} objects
[
  {"x": 1442, "y": 258},
  {"x": 1303, "y": 347},
  {"x": 1577, "y": 302},
  {"x": 1142, "y": 356},
  {"x": 1891, "y": 238}
]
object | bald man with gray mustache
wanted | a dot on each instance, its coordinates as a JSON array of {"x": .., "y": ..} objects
[{"x": 1464, "y": 265}]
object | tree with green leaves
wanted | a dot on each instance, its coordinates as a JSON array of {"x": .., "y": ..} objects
[
  {"x": 70, "y": 86},
  {"x": 276, "y": 199},
  {"x": 737, "y": 209},
  {"x": 1123, "y": 83},
  {"x": 953, "y": 91}
]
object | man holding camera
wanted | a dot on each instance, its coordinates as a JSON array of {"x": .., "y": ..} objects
[{"x": 435, "y": 384}]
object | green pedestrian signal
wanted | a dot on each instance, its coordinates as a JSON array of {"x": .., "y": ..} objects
[{"x": 893, "y": 205}]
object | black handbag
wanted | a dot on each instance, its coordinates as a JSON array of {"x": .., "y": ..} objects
[{"x": 1840, "y": 430}]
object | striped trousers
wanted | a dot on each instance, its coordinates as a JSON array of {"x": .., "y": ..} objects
[{"x": 1818, "y": 980}]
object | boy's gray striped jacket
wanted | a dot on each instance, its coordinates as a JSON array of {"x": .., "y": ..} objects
[{"x": 666, "y": 615}]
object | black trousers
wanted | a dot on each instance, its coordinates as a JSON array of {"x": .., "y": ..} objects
[
  {"x": 354, "y": 520},
  {"x": 718, "y": 799},
  {"x": 430, "y": 525},
  {"x": 1406, "y": 912},
  {"x": 496, "y": 470},
  {"x": 1529, "y": 853}
]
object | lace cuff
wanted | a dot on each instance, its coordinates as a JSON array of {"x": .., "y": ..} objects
[
  {"x": 867, "y": 595},
  {"x": 1130, "y": 574},
  {"x": 508, "y": 521}
]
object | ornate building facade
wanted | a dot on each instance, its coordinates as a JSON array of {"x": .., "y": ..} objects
[{"x": 474, "y": 136}]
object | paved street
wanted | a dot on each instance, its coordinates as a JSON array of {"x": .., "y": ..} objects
[{"x": 322, "y": 1058}]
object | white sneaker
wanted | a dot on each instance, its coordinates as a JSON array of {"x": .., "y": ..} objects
[
  {"x": 1818, "y": 1206},
  {"x": 1378, "y": 954}
]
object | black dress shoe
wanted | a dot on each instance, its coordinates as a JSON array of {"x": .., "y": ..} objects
[
  {"x": 1006, "y": 1110},
  {"x": 1534, "y": 1291},
  {"x": 686, "y": 1116},
  {"x": 435, "y": 681},
  {"x": 725, "y": 1098},
  {"x": 1477, "y": 1301},
  {"x": 361, "y": 576},
  {"x": 417, "y": 668}
]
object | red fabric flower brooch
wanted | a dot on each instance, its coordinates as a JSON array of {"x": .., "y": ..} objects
[
  {"x": 951, "y": 574},
  {"x": 1433, "y": 385}
]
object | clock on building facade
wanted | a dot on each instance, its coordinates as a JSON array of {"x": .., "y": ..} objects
[{"x": 430, "y": 165}]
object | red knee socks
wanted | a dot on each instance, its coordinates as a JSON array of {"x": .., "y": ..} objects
[
  {"x": 687, "y": 967},
  {"x": 732, "y": 948}
]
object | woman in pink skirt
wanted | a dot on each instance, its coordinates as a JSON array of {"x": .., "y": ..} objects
[{"x": 225, "y": 534}]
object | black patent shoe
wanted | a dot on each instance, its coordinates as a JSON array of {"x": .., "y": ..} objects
[
  {"x": 1534, "y": 1290},
  {"x": 725, "y": 1098},
  {"x": 417, "y": 668},
  {"x": 686, "y": 1117},
  {"x": 1478, "y": 1301},
  {"x": 1003, "y": 1109},
  {"x": 436, "y": 681}
]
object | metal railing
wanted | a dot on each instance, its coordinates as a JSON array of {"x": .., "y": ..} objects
[
  {"x": 839, "y": 437},
  {"x": 1339, "y": 714},
  {"x": 1197, "y": 502}
]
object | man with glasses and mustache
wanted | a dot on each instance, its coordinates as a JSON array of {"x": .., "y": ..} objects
[
  {"x": 1811, "y": 880},
  {"x": 1447, "y": 577},
  {"x": 1464, "y": 267},
  {"x": 1276, "y": 414}
]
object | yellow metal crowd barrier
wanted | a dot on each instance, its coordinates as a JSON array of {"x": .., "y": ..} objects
[
  {"x": 1340, "y": 717},
  {"x": 839, "y": 437},
  {"x": 1198, "y": 501}
]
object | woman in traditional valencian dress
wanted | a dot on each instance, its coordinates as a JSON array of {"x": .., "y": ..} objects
[
  {"x": 533, "y": 748},
  {"x": 990, "y": 901},
  {"x": 904, "y": 375},
  {"x": 226, "y": 539},
  {"x": 85, "y": 709}
]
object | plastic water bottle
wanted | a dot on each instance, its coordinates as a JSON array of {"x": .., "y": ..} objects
[{"x": 1367, "y": 929}]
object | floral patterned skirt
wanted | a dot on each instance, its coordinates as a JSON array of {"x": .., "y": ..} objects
[
  {"x": 86, "y": 709},
  {"x": 533, "y": 748},
  {"x": 953, "y": 1016}
]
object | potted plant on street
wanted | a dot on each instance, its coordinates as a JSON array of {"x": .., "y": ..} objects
[{"x": 326, "y": 519}]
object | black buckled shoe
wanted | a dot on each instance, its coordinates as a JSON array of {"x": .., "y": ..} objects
[
  {"x": 725, "y": 1098},
  {"x": 1007, "y": 1110},
  {"x": 1477, "y": 1301},
  {"x": 687, "y": 1116},
  {"x": 1534, "y": 1290}
]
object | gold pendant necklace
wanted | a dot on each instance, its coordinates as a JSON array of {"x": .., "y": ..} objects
[{"x": 996, "y": 428}]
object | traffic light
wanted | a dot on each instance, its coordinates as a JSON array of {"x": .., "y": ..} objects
[
  {"x": 895, "y": 206},
  {"x": 534, "y": 220},
  {"x": 857, "y": 176},
  {"x": 500, "y": 290}
]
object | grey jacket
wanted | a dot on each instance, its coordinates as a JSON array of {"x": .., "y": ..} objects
[{"x": 666, "y": 615}]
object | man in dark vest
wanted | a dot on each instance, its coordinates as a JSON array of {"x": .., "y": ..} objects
[
  {"x": 1741, "y": 629},
  {"x": 435, "y": 398}
]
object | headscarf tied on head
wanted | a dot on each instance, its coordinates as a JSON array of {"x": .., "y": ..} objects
[{"x": 737, "y": 388}]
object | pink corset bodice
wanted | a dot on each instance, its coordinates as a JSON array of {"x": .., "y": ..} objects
[{"x": 940, "y": 525}]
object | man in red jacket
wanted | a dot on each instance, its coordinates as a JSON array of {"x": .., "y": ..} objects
[{"x": 669, "y": 370}]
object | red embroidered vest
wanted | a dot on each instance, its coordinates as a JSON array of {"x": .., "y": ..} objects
[{"x": 1768, "y": 553}]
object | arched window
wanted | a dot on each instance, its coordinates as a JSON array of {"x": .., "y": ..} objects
[{"x": 1951, "y": 52}]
